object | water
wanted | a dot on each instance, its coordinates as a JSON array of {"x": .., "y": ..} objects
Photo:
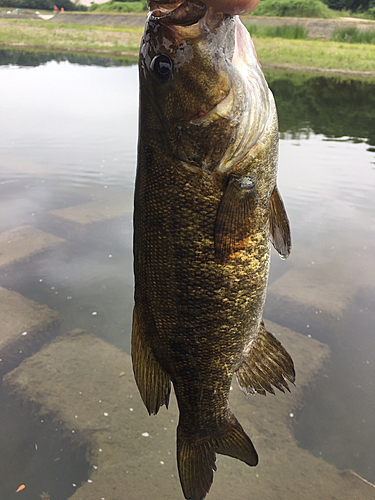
[{"x": 68, "y": 137}]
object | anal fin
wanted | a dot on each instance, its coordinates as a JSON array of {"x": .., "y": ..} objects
[
  {"x": 266, "y": 363},
  {"x": 153, "y": 381}
]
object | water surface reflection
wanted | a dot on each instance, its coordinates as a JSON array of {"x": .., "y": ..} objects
[{"x": 336, "y": 107}]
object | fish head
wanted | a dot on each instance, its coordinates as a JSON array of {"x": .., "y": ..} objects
[{"x": 202, "y": 90}]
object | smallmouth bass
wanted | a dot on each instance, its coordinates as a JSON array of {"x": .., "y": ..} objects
[{"x": 206, "y": 208}]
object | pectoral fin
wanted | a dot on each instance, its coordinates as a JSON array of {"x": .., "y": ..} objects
[
  {"x": 233, "y": 220},
  {"x": 266, "y": 363},
  {"x": 153, "y": 381},
  {"x": 279, "y": 228}
]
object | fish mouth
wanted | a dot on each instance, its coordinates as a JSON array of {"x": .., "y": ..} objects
[
  {"x": 189, "y": 21},
  {"x": 183, "y": 13}
]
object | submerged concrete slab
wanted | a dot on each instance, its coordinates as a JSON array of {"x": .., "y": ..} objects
[
  {"x": 24, "y": 327},
  {"x": 23, "y": 242},
  {"x": 319, "y": 282},
  {"x": 106, "y": 220},
  {"x": 88, "y": 384},
  {"x": 96, "y": 211}
]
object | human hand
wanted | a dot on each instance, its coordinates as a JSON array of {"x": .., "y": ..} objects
[{"x": 232, "y": 6}]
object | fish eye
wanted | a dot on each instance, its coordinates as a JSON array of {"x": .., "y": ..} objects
[{"x": 162, "y": 67}]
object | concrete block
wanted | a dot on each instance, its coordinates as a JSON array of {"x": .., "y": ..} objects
[
  {"x": 96, "y": 211},
  {"x": 24, "y": 327},
  {"x": 88, "y": 385},
  {"x": 23, "y": 242},
  {"x": 106, "y": 220},
  {"x": 318, "y": 281}
]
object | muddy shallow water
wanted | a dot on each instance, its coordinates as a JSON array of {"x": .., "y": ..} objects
[{"x": 68, "y": 139}]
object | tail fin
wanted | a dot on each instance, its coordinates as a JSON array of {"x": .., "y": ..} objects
[
  {"x": 196, "y": 456},
  {"x": 235, "y": 443}
]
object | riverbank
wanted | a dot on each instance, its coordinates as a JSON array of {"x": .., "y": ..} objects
[{"x": 120, "y": 36}]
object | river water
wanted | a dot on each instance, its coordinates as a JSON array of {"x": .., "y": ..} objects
[{"x": 68, "y": 137}]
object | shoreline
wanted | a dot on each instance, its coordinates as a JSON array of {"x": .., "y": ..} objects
[
  {"x": 119, "y": 35},
  {"x": 76, "y": 50},
  {"x": 320, "y": 71},
  {"x": 134, "y": 55}
]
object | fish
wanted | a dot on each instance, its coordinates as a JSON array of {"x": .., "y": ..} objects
[{"x": 206, "y": 211}]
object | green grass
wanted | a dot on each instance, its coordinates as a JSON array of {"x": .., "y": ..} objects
[
  {"x": 69, "y": 37},
  {"x": 354, "y": 35},
  {"x": 16, "y": 24},
  {"x": 293, "y": 8},
  {"x": 113, "y": 6},
  {"x": 316, "y": 54},
  {"x": 285, "y": 31}
]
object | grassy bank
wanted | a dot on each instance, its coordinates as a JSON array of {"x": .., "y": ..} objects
[
  {"x": 316, "y": 54},
  {"x": 70, "y": 37},
  {"x": 112, "y": 7},
  {"x": 272, "y": 52}
]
